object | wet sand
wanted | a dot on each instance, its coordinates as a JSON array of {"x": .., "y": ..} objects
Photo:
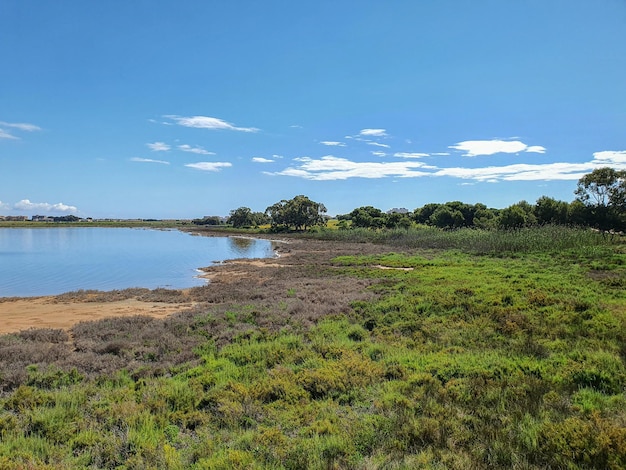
[{"x": 47, "y": 312}]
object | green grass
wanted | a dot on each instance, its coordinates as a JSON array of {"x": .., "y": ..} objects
[{"x": 471, "y": 357}]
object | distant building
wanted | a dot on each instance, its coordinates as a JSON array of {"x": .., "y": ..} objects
[
  {"x": 14, "y": 218},
  {"x": 41, "y": 218},
  {"x": 395, "y": 210}
]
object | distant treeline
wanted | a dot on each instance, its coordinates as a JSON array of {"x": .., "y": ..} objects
[{"x": 600, "y": 203}]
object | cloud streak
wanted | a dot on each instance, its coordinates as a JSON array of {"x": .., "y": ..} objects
[
  {"x": 148, "y": 160},
  {"x": 333, "y": 168},
  {"x": 19, "y": 126},
  {"x": 373, "y": 132},
  {"x": 206, "y": 122},
  {"x": 197, "y": 150},
  {"x": 209, "y": 166},
  {"x": 159, "y": 147},
  {"x": 474, "y": 148}
]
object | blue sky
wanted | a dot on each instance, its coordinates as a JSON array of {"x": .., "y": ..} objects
[{"x": 180, "y": 109}]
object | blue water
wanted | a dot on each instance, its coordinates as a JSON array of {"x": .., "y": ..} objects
[{"x": 50, "y": 261}]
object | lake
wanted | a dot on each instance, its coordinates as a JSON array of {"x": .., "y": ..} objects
[{"x": 50, "y": 261}]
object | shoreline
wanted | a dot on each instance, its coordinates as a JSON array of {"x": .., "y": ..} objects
[{"x": 298, "y": 260}]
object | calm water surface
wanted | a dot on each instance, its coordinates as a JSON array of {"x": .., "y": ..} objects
[{"x": 49, "y": 261}]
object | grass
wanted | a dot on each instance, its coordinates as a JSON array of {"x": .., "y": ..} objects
[{"x": 457, "y": 358}]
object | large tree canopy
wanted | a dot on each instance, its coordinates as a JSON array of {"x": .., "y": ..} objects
[
  {"x": 603, "y": 191},
  {"x": 299, "y": 213}
]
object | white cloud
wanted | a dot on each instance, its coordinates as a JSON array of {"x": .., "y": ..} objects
[
  {"x": 379, "y": 154},
  {"x": 262, "y": 160},
  {"x": 4, "y": 206},
  {"x": 205, "y": 122},
  {"x": 6, "y": 135},
  {"x": 159, "y": 147},
  {"x": 475, "y": 148},
  {"x": 26, "y": 205},
  {"x": 410, "y": 155},
  {"x": 148, "y": 160},
  {"x": 610, "y": 157},
  {"x": 20, "y": 126},
  {"x": 198, "y": 150},
  {"x": 333, "y": 144},
  {"x": 277, "y": 156},
  {"x": 333, "y": 168},
  {"x": 378, "y": 145},
  {"x": 520, "y": 172},
  {"x": 440, "y": 154},
  {"x": 373, "y": 132},
  {"x": 209, "y": 166}
]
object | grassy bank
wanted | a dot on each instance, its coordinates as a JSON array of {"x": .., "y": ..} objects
[{"x": 424, "y": 350}]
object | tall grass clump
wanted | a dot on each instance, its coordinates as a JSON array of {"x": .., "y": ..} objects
[{"x": 547, "y": 238}]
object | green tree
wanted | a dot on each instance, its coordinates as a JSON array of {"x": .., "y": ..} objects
[
  {"x": 298, "y": 213},
  {"x": 485, "y": 218},
  {"x": 512, "y": 217},
  {"x": 422, "y": 214},
  {"x": 367, "y": 217},
  {"x": 241, "y": 217},
  {"x": 603, "y": 191},
  {"x": 446, "y": 217},
  {"x": 550, "y": 211}
]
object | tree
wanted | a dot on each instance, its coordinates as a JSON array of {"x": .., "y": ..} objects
[
  {"x": 512, "y": 217},
  {"x": 446, "y": 217},
  {"x": 299, "y": 213},
  {"x": 550, "y": 211},
  {"x": 603, "y": 191},
  {"x": 367, "y": 217},
  {"x": 241, "y": 217}
]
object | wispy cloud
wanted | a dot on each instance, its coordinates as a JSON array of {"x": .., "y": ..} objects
[
  {"x": 148, "y": 160},
  {"x": 19, "y": 126},
  {"x": 4, "y": 206},
  {"x": 475, "y": 148},
  {"x": 159, "y": 147},
  {"x": 373, "y": 132},
  {"x": 410, "y": 155},
  {"x": 334, "y": 168},
  {"x": 333, "y": 143},
  {"x": 379, "y": 154},
  {"x": 262, "y": 160},
  {"x": 206, "y": 122},
  {"x": 26, "y": 205},
  {"x": 6, "y": 135},
  {"x": 209, "y": 166},
  {"x": 378, "y": 144},
  {"x": 22, "y": 126},
  {"x": 198, "y": 150}
]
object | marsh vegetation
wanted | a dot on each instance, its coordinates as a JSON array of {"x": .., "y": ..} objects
[{"x": 466, "y": 351}]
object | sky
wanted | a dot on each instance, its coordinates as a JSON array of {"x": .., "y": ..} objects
[{"x": 184, "y": 109}]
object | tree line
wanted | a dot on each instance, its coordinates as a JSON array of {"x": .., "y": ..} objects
[{"x": 600, "y": 203}]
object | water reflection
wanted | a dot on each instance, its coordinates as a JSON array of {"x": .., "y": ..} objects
[{"x": 240, "y": 245}]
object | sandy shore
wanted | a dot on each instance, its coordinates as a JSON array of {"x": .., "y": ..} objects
[
  {"x": 47, "y": 312},
  {"x": 18, "y": 314}
]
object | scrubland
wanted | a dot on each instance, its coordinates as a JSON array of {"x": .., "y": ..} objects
[{"x": 389, "y": 349}]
